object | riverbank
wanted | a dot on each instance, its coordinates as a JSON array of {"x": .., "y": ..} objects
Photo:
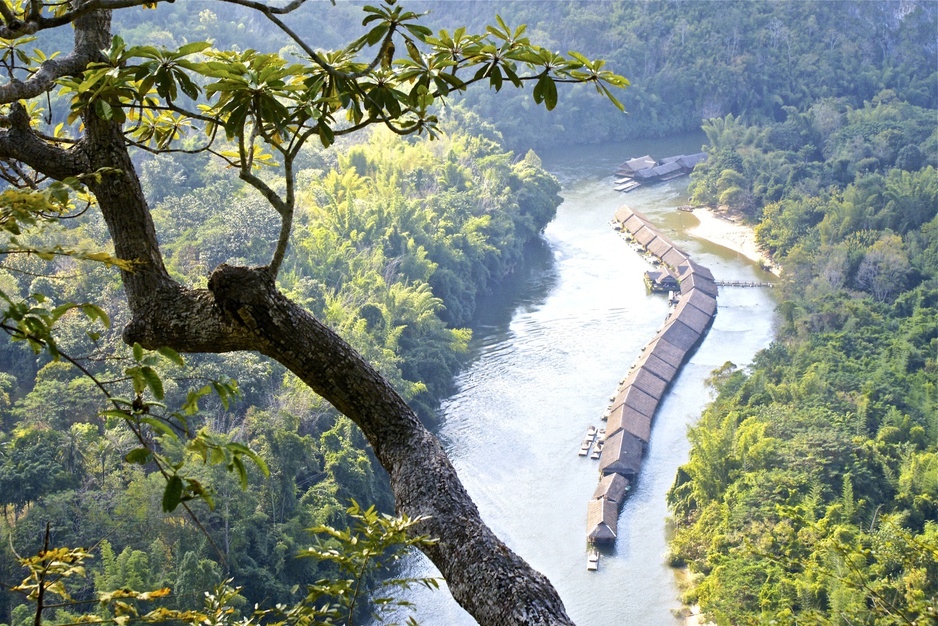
[{"x": 728, "y": 232}]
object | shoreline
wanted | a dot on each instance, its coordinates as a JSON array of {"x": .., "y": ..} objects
[{"x": 723, "y": 231}]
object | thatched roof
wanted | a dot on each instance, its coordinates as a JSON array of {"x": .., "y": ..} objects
[
  {"x": 700, "y": 300},
  {"x": 602, "y": 517},
  {"x": 623, "y": 213},
  {"x": 631, "y": 421},
  {"x": 612, "y": 487},
  {"x": 633, "y": 165},
  {"x": 644, "y": 380},
  {"x": 634, "y": 224},
  {"x": 667, "y": 168},
  {"x": 692, "y": 316},
  {"x": 674, "y": 257},
  {"x": 645, "y": 235},
  {"x": 697, "y": 281},
  {"x": 654, "y": 365},
  {"x": 637, "y": 399},
  {"x": 680, "y": 334},
  {"x": 622, "y": 454},
  {"x": 689, "y": 161},
  {"x": 692, "y": 267},
  {"x": 660, "y": 246},
  {"x": 666, "y": 351},
  {"x": 663, "y": 279}
]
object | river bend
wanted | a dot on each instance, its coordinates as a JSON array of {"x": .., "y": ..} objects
[{"x": 548, "y": 350}]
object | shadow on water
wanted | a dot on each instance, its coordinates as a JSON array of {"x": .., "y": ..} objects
[{"x": 527, "y": 287}]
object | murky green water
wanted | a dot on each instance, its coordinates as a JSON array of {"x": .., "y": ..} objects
[{"x": 547, "y": 353}]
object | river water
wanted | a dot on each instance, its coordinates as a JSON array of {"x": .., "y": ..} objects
[{"x": 547, "y": 353}]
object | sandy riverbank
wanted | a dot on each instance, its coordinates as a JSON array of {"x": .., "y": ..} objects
[{"x": 724, "y": 231}]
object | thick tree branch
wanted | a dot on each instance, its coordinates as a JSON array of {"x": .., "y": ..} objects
[
  {"x": 19, "y": 143},
  {"x": 491, "y": 582},
  {"x": 86, "y": 49},
  {"x": 35, "y": 22},
  {"x": 243, "y": 310}
]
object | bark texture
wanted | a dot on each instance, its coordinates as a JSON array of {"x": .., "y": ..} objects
[{"x": 244, "y": 310}]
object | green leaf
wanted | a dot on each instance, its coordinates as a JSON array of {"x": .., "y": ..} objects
[
  {"x": 138, "y": 352},
  {"x": 138, "y": 456},
  {"x": 154, "y": 383},
  {"x": 159, "y": 425},
  {"x": 171, "y": 355},
  {"x": 192, "y": 48},
  {"x": 172, "y": 495},
  {"x": 104, "y": 110},
  {"x": 242, "y": 473}
]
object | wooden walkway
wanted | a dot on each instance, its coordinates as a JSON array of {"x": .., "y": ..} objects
[{"x": 744, "y": 283}]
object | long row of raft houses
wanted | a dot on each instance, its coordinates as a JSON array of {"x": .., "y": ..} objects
[{"x": 632, "y": 411}]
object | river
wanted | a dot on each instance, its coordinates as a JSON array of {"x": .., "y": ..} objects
[{"x": 548, "y": 350}]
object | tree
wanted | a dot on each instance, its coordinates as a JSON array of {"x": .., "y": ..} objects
[
  {"x": 883, "y": 270},
  {"x": 254, "y": 107}
]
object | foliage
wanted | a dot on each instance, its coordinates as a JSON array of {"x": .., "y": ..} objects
[
  {"x": 372, "y": 546},
  {"x": 811, "y": 491},
  {"x": 702, "y": 60},
  {"x": 392, "y": 242}
]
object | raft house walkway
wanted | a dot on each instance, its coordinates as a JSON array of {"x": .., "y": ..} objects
[{"x": 632, "y": 411}]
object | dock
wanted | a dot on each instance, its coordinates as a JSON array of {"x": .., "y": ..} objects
[
  {"x": 633, "y": 405},
  {"x": 745, "y": 283}
]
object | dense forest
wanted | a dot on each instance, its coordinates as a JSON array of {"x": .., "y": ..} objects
[
  {"x": 687, "y": 61},
  {"x": 394, "y": 242},
  {"x": 812, "y": 488},
  {"x": 690, "y": 61}
]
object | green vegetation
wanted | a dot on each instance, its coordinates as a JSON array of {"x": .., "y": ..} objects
[
  {"x": 687, "y": 61},
  {"x": 385, "y": 239},
  {"x": 811, "y": 493},
  {"x": 57, "y": 577},
  {"x": 382, "y": 227},
  {"x": 812, "y": 489},
  {"x": 693, "y": 61}
]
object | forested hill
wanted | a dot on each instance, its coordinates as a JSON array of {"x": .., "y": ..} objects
[
  {"x": 690, "y": 61},
  {"x": 811, "y": 493},
  {"x": 687, "y": 60}
]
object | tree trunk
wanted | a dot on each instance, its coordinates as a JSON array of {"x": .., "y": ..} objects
[{"x": 244, "y": 310}]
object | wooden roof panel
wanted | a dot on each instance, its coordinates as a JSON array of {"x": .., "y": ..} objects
[
  {"x": 612, "y": 487},
  {"x": 622, "y": 454},
  {"x": 637, "y": 399},
  {"x": 602, "y": 518},
  {"x": 631, "y": 421}
]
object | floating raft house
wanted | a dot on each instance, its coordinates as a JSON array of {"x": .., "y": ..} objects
[
  {"x": 633, "y": 407},
  {"x": 641, "y": 170}
]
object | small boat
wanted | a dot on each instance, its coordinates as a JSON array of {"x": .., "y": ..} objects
[
  {"x": 583, "y": 451},
  {"x": 601, "y": 436},
  {"x": 591, "y": 432},
  {"x": 592, "y": 560},
  {"x": 597, "y": 452}
]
